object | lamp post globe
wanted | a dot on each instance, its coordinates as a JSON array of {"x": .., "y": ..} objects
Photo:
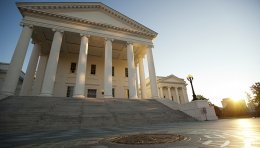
[{"x": 190, "y": 78}]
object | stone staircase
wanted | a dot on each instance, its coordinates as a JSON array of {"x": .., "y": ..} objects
[
  {"x": 53, "y": 113},
  {"x": 169, "y": 103}
]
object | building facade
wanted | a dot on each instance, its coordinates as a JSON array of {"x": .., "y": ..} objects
[
  {"x": 3, "y": 72},
  {"x": 80, "y": 50},
  {"x": 170, "y": 87}
]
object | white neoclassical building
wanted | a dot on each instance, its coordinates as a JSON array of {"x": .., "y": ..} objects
[
  {"x": 170, "y": 87},
  {"x": 3, "y": 72},
  {"x": 81, "y": 50}
]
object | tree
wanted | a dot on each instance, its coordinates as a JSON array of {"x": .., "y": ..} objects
[
  {"x": 234, "y": 108},
  {"x": 218, "y": 111},
  {"x": 256, "y": 96},
  {"x": 200, "y": 97},
  {"x": 256, "y": 92}
]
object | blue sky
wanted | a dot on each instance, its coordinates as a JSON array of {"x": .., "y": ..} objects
[{"x": 217, "y": 41}]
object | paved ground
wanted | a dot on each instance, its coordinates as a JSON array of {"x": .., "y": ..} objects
[{"x": 221, "y": 133}]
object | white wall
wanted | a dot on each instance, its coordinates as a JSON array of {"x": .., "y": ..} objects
[{"x": 65, "y": 78}]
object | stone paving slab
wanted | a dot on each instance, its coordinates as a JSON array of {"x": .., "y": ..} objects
[{"x": 223, "y": 133}]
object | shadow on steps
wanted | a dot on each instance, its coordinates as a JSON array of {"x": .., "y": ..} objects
[{"x": 55, "y": 113}]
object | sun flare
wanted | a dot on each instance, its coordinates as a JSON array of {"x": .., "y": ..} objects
[{"x": 236, "y": 99}]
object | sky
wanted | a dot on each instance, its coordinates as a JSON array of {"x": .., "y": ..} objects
[{"x": 217, "y": 41}]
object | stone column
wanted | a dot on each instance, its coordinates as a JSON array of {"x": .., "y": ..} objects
[
  {"x": 51, "y": 69},
  {"x": 108, "y": 69},
  {"x": 14, "y": 69},
  {"x": 131, "y": 73},
  {"x": 81, "y": 69},
  {"x": 169, "y": 93},
  {"x": 136, "y": 80},
  {"x": 26, "y": 89},
  {"x": 177, "y": 95},
  {"x": 142, "y": 78},
  {"x": 37, "y": 86},
  {"x": 161, "y": 90},
  {"x": 152, "y": 75},
  {"x": 185, "y": 98}
]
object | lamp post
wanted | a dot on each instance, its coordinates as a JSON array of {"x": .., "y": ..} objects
[{"x": 190, "y": 78}]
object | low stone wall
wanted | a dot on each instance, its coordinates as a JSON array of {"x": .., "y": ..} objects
[{"x": 199, "y": 109}]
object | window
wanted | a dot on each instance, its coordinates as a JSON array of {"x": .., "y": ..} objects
[
  {"x": 93, "y": 69},
  {"x": 127, "y": 93},
  {"x": 92, "y": 93},
  {"x": 113, "y": 92},
  {"x": 73, "y": 67},
  {"x": 126, "y": 72},
  {"x": 70, "y": 90},
  {"x": 113, "y": 71}
]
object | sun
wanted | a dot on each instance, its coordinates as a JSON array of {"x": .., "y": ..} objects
[{"x": 236, "y": 99}]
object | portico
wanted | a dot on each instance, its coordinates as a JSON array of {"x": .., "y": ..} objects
[
  {"x": 77, "y": 54},
  {"x": 172, "y": 88}
]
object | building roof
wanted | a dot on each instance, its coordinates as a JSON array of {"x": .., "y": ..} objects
[{"x": 43, "y": 8}]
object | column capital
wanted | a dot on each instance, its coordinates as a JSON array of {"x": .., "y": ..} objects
[
  {"x": 129, "y": 42},
  {"x": 140, "y": 57},
  {"x": 26, "y": 24},
  {"x": 57, "y": 30},
  {"x": 84, "y": 34},
  {"x": 150, "y": 46},
  {"x": 109, "y": 39}
]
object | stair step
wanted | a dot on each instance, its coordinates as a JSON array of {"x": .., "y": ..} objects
[{"x": 53, "y": 113}]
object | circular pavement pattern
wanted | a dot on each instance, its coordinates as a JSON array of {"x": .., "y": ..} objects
[{"x": 147, "y": 139}]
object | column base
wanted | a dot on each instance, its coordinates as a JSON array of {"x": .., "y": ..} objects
[
  {"x": 155, "y": 97},
  {"x": 45, "y": 95},
  {"x": 79, "y": 96},
  {"x": 134, "y": 97},
  {"x": 108, "y": 97}
]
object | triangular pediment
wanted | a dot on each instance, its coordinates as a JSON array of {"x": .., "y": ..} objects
[
  {"x": 172, "y": 79},
  {"x": 97, "y": 16},
  {"x": 87, "y": 12}
]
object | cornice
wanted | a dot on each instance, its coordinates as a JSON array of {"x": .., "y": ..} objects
[
  {"x": 84, "y": 21},
  {"x": 40, "y": 7},
  {"x": 88, "y": 32}
]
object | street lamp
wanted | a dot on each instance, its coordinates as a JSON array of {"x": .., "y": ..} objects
[{"x": 190, "y": 78}]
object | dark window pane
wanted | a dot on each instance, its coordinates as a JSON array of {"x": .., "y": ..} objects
[
  {"x": 70, "y": 91},
  {"x": 73, "y": 67},
  {"x": 113, "y": 73},
  {"x": 92, "y": 93},
  {"x": 93, "y": 69},
  {"x": 126, "y": 72},
  {"x": 113, "y": 92}
]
